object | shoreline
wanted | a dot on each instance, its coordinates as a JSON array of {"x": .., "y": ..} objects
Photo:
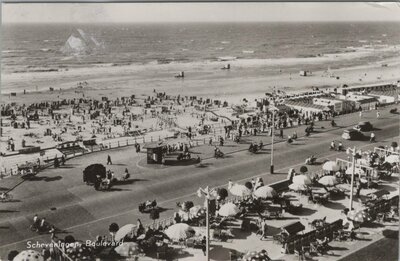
[
  {"x": 230, "y": 86},
  {"x": 247, "y": 78}
]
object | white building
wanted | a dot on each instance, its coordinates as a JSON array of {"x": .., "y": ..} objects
[
  {"x": 364, "y": 101},
  {"x": 367, "y": 88},
  {"x": 335, "y": 105},
  {"x": 385, "y": 97}
]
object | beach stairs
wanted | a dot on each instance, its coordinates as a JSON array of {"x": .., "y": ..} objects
[
  {"x": 73, "y": 150},
  {"x": 218, "y": 129},
  {"x": 10, "y": 164}
]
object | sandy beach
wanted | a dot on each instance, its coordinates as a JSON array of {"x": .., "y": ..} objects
[{"x": 205, "y": 79}]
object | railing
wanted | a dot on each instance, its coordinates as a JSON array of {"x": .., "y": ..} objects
[
  {"x": 384, "y": 151},
  {"x": 344, "y": 164},
  {"x": 103, "y": 145}
]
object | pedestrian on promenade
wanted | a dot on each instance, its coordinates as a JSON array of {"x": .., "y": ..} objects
[
  {"x": 210, "y": 142},
  {"x": 52, "y": 232},
  {"x": 126, "y": 175},
  {"x": 56, "y": 163},
  {"x": 358, "y": 189},
  {"x": 378, "y": 114},
  {"x": 361, "y": 114},
  {"x": 109, "y": 162},
  {"x": 230, "y": 184},
  {"x": 281, "y": 133},
  {"x": 264, "y": 229},
  {"x": 203, "y": 245}
]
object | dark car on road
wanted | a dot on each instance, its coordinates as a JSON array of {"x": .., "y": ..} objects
[
  {"x": 364, "y": 126},
  {"x": 352, "y": 134}
]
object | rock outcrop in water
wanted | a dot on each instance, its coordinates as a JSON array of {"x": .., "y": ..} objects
[{"x": 80, "y": 43}]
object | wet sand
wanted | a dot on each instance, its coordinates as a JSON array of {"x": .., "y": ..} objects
[{"x": 245, "y": 79}]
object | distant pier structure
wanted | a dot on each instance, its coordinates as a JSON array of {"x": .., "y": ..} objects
[{"x": 344, "y": 90}]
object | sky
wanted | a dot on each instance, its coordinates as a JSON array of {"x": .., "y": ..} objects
[{"x": 198, "y": 12}]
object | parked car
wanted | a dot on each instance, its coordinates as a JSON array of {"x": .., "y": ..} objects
[
  {"x": 352, "y": 134},
  {"x": 364, "y": 126}
]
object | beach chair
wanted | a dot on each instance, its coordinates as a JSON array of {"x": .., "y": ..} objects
[
  {"x": 162, "y": 255},
  {"x": 300, "y": 254},
  {"x": 235, "y": 255},
  {"x": 217, "y": 233},
  {"x": 190, "y": 242}
]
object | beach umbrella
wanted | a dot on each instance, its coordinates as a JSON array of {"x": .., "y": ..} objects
[
  {"x": 357, "y": 171},
  {"x": 330, "y": 166},
  {"x": 302, "y": 179},
  {"x": 265, "y": 192},
  {"x": 187, "y": 205},
  {"x": 240, "y": 190},
  {"x": 392, "y": 159},
  {"x": 179, "y": 231},
  {"x": 222, "y": 193},
  {"x": 79, "y": 251},
  {"x": 358, "y": 217},
  {"x": 328, "y": 181},
  {"x": 228, "y": 209},
  {"x": 303, "y": 169},
  {"x": 29, "y": 255},
  {"x": 298, "y": 187},
  {"x": 256, "y": 256},
  {"x": 196, "y": 210},
  {"x": 248, "y": 185},
  {"x": 128, "y": 249},
  {"x": 123, "y": 231}
]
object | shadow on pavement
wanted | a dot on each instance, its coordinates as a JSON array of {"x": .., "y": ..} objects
[
  {"x": 8, "y": 211},
  {"x": 218, "y": 252},
  {"x": 306, "y": 212},
  {"x": 128, "y": 181},
  {"x": 390, "y": 233},
  {"x": 203, "y": 165},
  {"x": 112, "y": 189},
  {"x": 44, "y": 178},
  {"x": 334, "y": 205}
]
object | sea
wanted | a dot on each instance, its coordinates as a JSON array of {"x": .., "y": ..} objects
[{"x": 27, "y": 47}]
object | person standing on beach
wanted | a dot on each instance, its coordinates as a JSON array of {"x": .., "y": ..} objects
[
  {"x": 281, "y": 133},
  {"x": 361, "y": 114},
  {"x": 109, "y": 162},
  {"x": 378, "y": 114}
]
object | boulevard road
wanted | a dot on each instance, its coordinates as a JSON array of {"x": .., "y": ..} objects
[{"x": 61, "y": 196}]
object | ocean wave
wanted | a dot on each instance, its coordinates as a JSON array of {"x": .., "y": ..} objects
[
  {"x": 248, "y": 51},
  {"x": 45, "y": 49},
  {"x": 219, "y": 48},
  {"x": 13, "y": 51},
  {"x": 36, "y": 70},
  {"x": 225, "y": 42}
]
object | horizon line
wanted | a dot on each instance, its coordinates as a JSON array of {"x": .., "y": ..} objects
[{"x": 204, "y": 22}]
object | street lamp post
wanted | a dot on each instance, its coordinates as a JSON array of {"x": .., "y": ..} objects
[
  {"x": 207, "y": 193},
  {"x": 272, "y": 131},
  {"x": 353, "y": 170},
  {"x": 272, "y": 140}
]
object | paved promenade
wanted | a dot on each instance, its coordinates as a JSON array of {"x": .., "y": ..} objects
[{"x": 62, "y": 197}]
